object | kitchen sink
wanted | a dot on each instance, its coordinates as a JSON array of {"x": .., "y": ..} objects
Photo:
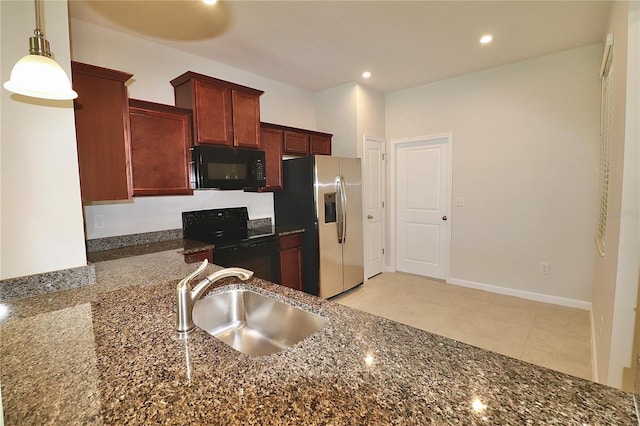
[{"x": 254, "y": 323}]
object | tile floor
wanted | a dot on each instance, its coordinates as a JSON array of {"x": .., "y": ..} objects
[{"x": 549, "y": 335}]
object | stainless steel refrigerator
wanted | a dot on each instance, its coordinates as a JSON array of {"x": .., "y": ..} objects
[{"x": 323, "y": 195}]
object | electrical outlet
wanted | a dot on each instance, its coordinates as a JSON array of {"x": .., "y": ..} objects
[
  {"x": 99, "y": 221},
  {"x": 544, "y": 268},
  {"x": 459, "y": 201}
]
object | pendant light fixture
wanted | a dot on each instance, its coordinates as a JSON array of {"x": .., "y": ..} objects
[{"x": 37, "y": 75}]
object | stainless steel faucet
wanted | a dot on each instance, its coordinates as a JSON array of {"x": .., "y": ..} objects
[{"x": 187, "y": 297}]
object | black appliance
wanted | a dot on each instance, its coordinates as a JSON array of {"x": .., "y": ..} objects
[
  {"x": 227, "y": 168},
  {"x": 235, "y": 244},
  {"x": 323, "y": 195}
]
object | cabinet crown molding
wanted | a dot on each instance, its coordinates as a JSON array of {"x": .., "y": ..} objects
[{"x": 190, "y": 75}]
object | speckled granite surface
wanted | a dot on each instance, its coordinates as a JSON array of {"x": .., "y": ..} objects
[
  {"x": 108, "y": 243},
  {"x": 107, "y": 354},
  {"x": 181, "y": 245},
  {"x": 33, "y": 285},
  {"x": 258, "y": 223}
]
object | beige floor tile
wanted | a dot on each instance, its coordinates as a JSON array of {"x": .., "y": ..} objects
[
  {"x": 575, "y": 367},
  {"x": 572, "y": 322},
  {"x": 504, "y": 337},
  {"x": 560, "y": 344},
  {"x": 553, "y": 336}
]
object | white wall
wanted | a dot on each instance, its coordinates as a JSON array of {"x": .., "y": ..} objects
[
  {"x": 147, "y": 214},
  {"x": 40, "y": 207},
  {"x": 153, "y": 66},
  {"x": 348, "y": 112},
  {"x": 336, "y": 113},
  {"x": 526, "y": 143},
  {"x": 370, "y": 115}
]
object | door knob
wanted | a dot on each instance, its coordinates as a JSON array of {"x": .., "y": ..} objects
[
  {"x": 369, "y": 217},
  {"x": 444, "y": 218}
]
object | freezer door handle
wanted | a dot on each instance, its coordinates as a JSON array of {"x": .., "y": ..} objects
[{"x": 342, "y": 210}]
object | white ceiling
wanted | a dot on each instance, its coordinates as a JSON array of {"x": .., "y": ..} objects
[{"x": 316, "y": 45}]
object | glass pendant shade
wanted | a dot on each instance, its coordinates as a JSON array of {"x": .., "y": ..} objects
[
  {"x": 37, "y": 75},
  {"x": 40, "y": 77}
]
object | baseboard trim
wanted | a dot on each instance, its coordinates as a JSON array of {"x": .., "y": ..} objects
[{"x": 563, "y": 301}]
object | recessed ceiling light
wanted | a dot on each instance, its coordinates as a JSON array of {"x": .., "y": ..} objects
[
  {"x": 366, "y": 74},
  {"x": 485, "y": 39},
  {"x": 210, "y": 2}
]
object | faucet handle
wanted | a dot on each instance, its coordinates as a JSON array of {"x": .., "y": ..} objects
[
  {"x": 185, "y": 280},
  {"x": 184, "y": 305}
]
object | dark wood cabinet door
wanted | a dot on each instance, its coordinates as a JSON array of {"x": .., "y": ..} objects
[
  {"x": 320, "y": 144},
  {"x": 271, "y": 142},
  {"x": 246, "y": 119},
  {"x": 291, "y": 268},
  {"x": 160, "y": 149},
  {"x": 296, "y": 143},
  {"x": 224, "y": 113},
  {"x": 302, "y": 142},
  {"x": 213, "y": 119},
  {"x": 102, "y": 132},
  {"x": 291, "y": 261}
]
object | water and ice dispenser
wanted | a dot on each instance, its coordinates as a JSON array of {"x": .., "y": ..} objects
[{"x": 330, "y": 207}]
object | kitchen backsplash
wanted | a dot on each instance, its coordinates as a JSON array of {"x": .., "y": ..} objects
[
  {"x": 258, "y": 223},
  {"x": 109, "y": 243},
  {"x": 34, "y": 285}
]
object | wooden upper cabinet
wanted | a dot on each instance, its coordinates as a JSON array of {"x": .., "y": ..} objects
[
  {"x": 320, "y": 144},
  {"x": 160, "y": 148},
  {"x": 246, "y": 119},
  {"x": 102, "y": 132},
  {"x": 278, "y": 140},
  {"x": 272, "y": 144},
  {"x": 224, "y": 113},
  {"x": 296, "y": 143},
  {"x": 213, "y": 120},
  {"x": 302, "y": 142}
]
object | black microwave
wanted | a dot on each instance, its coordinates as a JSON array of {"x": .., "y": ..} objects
[{"x": 227, "y": 168}]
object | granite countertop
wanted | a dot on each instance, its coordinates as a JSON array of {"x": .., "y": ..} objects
[
  {"x": 280, "y": 231},
  {"x": 187, "y": 246},
  {"x": 108, "y": 354}
]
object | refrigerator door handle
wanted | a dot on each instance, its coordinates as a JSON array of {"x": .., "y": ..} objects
[
  {"x": 342, "y": 225},
  {"x": 339, "y": 212}
]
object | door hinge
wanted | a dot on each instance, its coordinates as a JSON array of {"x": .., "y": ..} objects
[
  {"x": 383, "y": 204},
  {"x": 383, "y": 156},
  {"x": 382, "y": 251}
]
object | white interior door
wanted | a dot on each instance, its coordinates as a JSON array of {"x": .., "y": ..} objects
[
  {"x": 373, "y": 180},
  {"x": 422, "y": 206}
]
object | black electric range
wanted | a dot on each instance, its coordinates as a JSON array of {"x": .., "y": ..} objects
[{"x": 234, "y": 243}]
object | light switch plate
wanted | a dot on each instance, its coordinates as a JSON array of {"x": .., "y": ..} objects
[{"x": 99, "y": 221}]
